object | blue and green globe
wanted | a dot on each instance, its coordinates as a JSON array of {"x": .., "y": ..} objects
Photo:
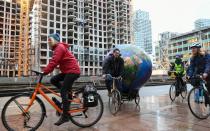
[{"x": 138, "y": 67}]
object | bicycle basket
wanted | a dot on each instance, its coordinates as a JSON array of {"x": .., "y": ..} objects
[{"x": 90, "y": 96}]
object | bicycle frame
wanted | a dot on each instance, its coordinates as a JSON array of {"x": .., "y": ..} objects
[{"x": 38, "y": 90}]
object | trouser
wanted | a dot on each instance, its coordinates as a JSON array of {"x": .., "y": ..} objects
[{"x": 65, "y": 88}]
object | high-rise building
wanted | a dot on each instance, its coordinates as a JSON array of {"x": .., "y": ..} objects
[
  {"x": 142, "y": 30},
  {"x": 9, "y": 37},
  {"x": 90, "y": 27},
  {"x": 201, "y": 23}
]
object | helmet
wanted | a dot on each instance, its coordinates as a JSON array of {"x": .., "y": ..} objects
[
  {"x": 196, "y": 45},
  {"x": 178, "y": 56}
]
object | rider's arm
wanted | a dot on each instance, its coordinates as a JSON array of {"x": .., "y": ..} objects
[
  {"x": 57, "y": 55},
  {"x": 207, "y": 66},
  {"x": 191, "y": 68},
  {"x": 105, "y": 67}
]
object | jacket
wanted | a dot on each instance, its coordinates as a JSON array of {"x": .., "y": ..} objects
[
  {"x": 199, "y": 64},
  {"x": 64, "y": 58},
  {"x": 113, "y": 66}
]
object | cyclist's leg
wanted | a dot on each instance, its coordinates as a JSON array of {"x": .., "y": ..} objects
[
  {"x": 67, "y": 85},
  {"x": 55, "y": 80},
  {"x": 108, "y": 83},
  {"x": 208, "y": 83}
]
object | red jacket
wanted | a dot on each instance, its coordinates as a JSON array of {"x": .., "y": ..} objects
[{"x": 64, "y": 58}]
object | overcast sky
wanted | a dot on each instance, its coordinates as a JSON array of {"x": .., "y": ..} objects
[{"x": 173, "y": 15}]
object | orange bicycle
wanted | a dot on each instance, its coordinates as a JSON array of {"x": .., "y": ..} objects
[{"x": 27, "y": 111}]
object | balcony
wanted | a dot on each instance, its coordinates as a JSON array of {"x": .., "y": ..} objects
[{"x": 71, "y": 2}]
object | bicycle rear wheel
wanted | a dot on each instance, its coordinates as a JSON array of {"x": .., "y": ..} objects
[
  {"x": 114, "y": 101},
  {"x": 200, "y": 108},
  {"x": 88, "y": 117},
  {"x": 15, "y": 119},
  {"x": 172, "y": 92}
]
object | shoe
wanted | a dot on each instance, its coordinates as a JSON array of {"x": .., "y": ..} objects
[{"x": 63, "y": 119}]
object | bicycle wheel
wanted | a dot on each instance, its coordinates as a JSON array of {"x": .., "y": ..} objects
[
  {"x": 199, "y": 108},
  {"x": 88, "y": 117},
  {"x": 172, "y": 92},
  {"x": 184, "y": 91},
  {"x": 114, "y": 102},
  {"x": 15, "y": 119}
]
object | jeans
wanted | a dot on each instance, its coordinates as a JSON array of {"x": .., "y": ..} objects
[{"x": 65, "y": 88}]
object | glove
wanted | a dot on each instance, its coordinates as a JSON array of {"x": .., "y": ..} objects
[
  {"x": 103, "y": 76},
  {"x": 205, "y": 75}
]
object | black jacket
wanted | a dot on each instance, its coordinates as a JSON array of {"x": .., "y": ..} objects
[{"x": 113, "y": 66}]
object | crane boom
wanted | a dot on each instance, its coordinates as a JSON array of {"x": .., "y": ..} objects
[{"x": 24, "y": 46}]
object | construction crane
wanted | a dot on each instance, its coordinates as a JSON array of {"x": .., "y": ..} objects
[{"x": 24, "y": 46}]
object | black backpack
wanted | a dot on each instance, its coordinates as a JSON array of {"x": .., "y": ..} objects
[{"x": 90, "y": 96}]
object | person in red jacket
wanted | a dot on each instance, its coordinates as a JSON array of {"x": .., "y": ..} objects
[{"x": 69, "y": 68}]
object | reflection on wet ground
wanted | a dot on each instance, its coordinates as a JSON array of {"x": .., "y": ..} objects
[{"x": 156, "y": 113}]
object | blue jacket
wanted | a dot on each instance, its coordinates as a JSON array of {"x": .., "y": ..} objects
[{"x": 199, "y": 65}]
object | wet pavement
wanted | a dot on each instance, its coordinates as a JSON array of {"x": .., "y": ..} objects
[{"x": 156, "y": 113}]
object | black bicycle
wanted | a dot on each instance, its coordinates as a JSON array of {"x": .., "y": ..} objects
[
  {"x": 198, "y": 98},
  {"x": 178, "y": 88}
]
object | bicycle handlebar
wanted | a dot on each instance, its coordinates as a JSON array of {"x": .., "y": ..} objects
[{"x": 116, "y": 78}]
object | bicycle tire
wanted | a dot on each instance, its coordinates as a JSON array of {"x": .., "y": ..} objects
[
  {"x": 171, "y": 92},
  {"x": 14, "y": 99},
  {"x": 115, "y": 98},
  {"x": 184, "y": 91},
  {"x": 91, "y": 123},
  {"x": 190, "y": 104}
]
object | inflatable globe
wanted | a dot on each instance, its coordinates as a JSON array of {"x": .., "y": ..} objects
[{"x": 138, "y": 67}]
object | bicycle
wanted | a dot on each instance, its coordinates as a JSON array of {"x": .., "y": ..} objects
[
  {"x": 177, "y": 89},
  {"x": 117, "y": 98},
  {"x": 198, "y": 99},
  {"x": 26, "y": 111}
]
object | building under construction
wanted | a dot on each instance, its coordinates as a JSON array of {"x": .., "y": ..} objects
[
  {"x": 9, "y": 37},
  {"x": 90, "y": 27}
]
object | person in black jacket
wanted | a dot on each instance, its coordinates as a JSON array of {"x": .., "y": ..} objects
[{"x": 113, "y": 65}]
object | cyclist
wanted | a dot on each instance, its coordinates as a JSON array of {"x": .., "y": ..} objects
[
  {"x": 178, "y": 66},
  {"x": 199, "y": 64},
  {"x": 113, "y": 65},
  {"x": 69, "y": 68}
]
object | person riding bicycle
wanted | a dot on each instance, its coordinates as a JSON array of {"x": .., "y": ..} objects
[
  {"x": 178, "y": 66},
  {"x": 113, "y": 65},
  {"x": 69, "y": 68},
  {"x": 199, "y": 65}
]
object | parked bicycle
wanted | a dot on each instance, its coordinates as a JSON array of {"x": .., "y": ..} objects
[
  {"x": 27, "y": 111},
  {"x": 198, "y": 98}
]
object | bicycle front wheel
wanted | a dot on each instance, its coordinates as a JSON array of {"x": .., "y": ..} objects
[
  {"x": 199, "y": 105},
  {"x": 184, "y": 91},
  {"x": 88, "y": 117},
  {"x": 172, "y": 92},
  {"x": 114, "y": 101},
  {"x": 14, "y": 117}
]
